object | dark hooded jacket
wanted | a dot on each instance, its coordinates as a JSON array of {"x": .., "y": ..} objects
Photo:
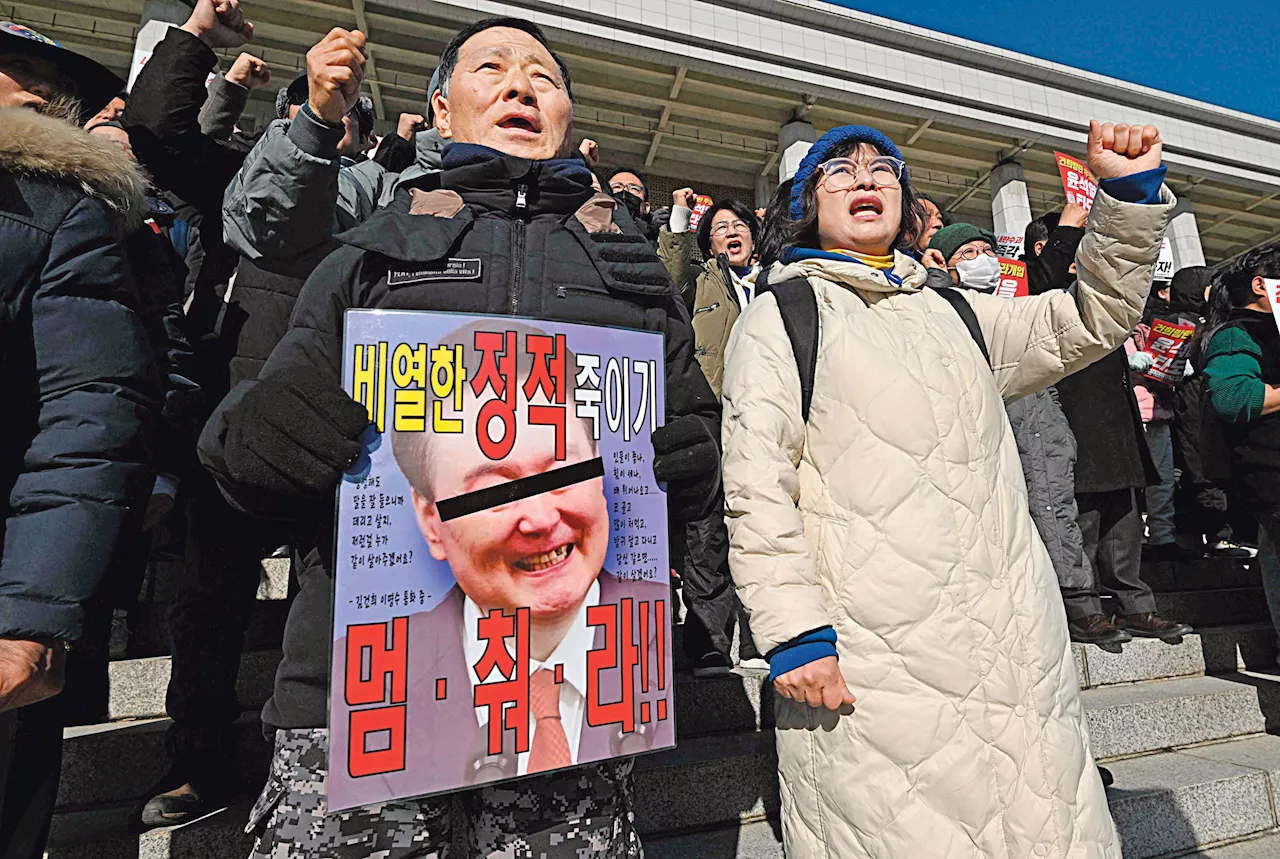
[
  {"x": 1098, "y": 401},
  {"x": 524, "y": 239},
  {"x": 77, "y": 376}
]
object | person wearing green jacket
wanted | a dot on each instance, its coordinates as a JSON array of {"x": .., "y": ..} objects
[{"x": 1242, "y": 388}]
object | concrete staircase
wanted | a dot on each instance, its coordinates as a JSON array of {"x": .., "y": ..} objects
[{"x": 1183, "y": 728}]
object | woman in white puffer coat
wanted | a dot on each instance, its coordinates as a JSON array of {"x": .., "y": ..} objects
[{"x": 891, "y": 530}]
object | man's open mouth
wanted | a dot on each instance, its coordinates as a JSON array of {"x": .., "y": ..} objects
[
  {"x": 519, "y": 123},
  {"x": 538, "y": 563}
]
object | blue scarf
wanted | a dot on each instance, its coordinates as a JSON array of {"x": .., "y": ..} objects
[{"x": 791, "y": 253}]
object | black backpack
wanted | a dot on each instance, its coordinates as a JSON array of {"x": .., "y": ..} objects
[{"x": 799, "y": 308}]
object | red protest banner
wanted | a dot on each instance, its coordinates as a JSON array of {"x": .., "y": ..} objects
[
  {"x": 1164, "y": 342},
  {"x": 1077, "y": 180},
  {"x": 1013, "y": 278},
  {"x": 701, "y": 203}
]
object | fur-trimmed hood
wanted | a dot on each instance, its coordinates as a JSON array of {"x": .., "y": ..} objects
[{"x": 37, "y": 145}]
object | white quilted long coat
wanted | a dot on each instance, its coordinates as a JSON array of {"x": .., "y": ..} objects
[{"x": 899, "y": 517}]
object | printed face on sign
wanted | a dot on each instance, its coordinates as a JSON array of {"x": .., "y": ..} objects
[{"x": 540, "y": 551}]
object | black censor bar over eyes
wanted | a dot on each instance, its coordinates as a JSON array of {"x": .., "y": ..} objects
[{"x": 516, "y": 490}]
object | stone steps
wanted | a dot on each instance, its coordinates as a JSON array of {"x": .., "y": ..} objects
[
  {"x": 138, "y": 686},
  {"x": 721, "y": 800}
]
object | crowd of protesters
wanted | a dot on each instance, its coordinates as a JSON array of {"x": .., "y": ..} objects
[{"x": 875, "y": 467}]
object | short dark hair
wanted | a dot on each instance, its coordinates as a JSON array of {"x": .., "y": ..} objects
[
  {"x": 773, "y": 232},
  {"x": 644, "y": 183},
  {"x": 803, "y": 232},
  {"x": 449, "y": 56},
  {"x": 1235, "y": 282},
  {"x": 942, "y": 213},
  {"x": 1039, "y": 230},
  {"x": 741, "y": 210}
]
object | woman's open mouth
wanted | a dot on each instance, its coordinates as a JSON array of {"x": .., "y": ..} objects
[{"x": 545, "y": 561}]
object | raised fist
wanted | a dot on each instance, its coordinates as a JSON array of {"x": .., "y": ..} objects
[
  {"x": 1122, "y": 150},
  {"x": 249, "y": 72},
  {"x": 335, "y": 69},
  {"x": 590, "y": 151},
  {"x": 683, "y": 198},
  {"x": 219, "y": 24},
  {"x": 1073, "y": 215},
  {"x": 409, "y": 125}
]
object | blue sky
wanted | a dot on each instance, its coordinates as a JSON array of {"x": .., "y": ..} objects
[{"x": 1226, "y": 52}]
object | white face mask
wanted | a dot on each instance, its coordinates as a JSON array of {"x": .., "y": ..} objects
[{"x": 981, "y": 274}]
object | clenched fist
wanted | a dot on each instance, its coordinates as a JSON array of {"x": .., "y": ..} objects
[
  {"x": 683, "y": 198},
  {"x": 335, "y": 69},
  {"x": 219, "y": 24},
  {"x": 249, "y": 72},
  {"x": 1122, "y": 150},
  {"x": 818, "y": 684},
  {"x": 590, "y": 151},
  {"x": 409, "y": 125}
]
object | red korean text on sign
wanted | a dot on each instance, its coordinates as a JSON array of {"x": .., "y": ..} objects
[
  {"x": 507, "y": 699},
  {"x": 1166, "y": 342},
  {"x": 548, "y": 375},
  {"x": 498, "y": 373},
  {"x": 376, "y": 682},
  {"x": 1078, "y": 181}
]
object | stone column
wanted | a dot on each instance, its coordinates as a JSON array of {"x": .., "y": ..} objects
[
  {"x": 765, "y": 186},
  {"x": 1184, "y": 236},
  {"x": 1010, "y": 206},
  {"x": 794, "y": 140},
  {"x": 157, "y": 17}
]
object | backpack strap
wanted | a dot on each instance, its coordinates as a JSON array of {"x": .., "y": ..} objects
[
  {"x": 967, "y": 316},
  {"x": 799, "y": 308}
]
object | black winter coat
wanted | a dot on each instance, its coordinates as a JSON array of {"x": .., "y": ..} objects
[
  {"x": 537, "y": 258},
  {"x": 1098, "y": 401},
  {"x": 77, "y": 377}
]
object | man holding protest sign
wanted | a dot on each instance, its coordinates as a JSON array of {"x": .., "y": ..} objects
[{"x": 510, "y": 226}]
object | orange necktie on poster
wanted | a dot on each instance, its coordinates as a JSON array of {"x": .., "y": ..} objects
[{"x": 550, "y": 745}]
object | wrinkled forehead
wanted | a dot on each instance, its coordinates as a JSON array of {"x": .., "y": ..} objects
[{"x": 506, "y": 43}]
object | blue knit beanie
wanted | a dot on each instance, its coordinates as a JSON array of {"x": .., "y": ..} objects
[{"x": 828, "y": 142}]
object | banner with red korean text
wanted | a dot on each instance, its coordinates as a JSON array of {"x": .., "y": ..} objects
[
  {"x": 701, "y": 205},
  {"x": 1010, "y": 246},
  {"x": 1013, "y": 278},
  {"x": 1078, "y": 180},
  {"x": 1273, "y": 292},
  {"x": 502, "y": 595},
  {"x": 1167, "y": 342}
]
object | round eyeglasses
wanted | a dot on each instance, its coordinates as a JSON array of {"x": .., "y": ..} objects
[
  {"x": 724, "y": 227},
  {"x": 972, "y": 253},
  {"x": 841, "y": 174}
]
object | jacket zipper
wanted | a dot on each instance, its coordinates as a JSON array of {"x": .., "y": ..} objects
[{"x": 517, "y": 251}]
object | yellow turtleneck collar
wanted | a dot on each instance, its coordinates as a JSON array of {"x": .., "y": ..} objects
[{"x": 884, "y": 263}]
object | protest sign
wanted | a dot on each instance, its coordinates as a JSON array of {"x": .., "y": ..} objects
[
  {"x": 1165, "y": 341},
  {"x": 1013, "y": 278},
  {"x": 1078, "y": 180},
  {"x": 502, "y": 574},
  {"x": 1273, "y": 292},
  {"x": 1164, "y": 265},
  {"x": 701, "y": 205},
  {"x": 1009, "y": 246}
]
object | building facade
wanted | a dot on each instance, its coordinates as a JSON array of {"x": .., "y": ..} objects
[{"x": 728, "y": 95}]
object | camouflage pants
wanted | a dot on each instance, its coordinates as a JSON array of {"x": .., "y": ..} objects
[{"x": 584, "y": 812}]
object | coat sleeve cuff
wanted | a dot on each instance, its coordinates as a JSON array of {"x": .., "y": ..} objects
[
  {"x": 801, "y": 650},
  {"x": 314, "y": 136},
  {"x": 1141, "y": 187}
]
